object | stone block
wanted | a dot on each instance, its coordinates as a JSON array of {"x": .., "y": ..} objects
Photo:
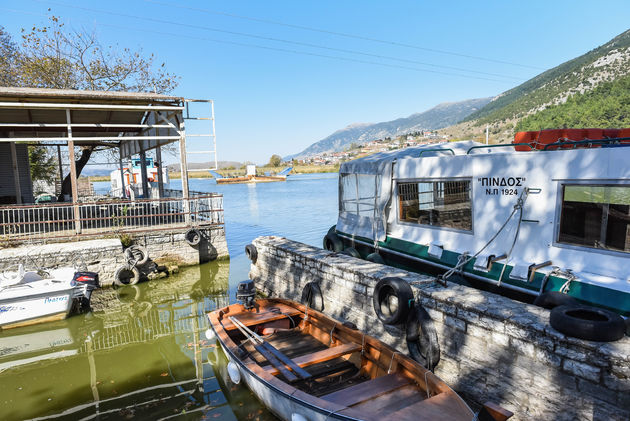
[
  {"x": 582, "y": 370},
  {"x": 455, "y": 323}
]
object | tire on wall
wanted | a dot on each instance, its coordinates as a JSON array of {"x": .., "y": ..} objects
[
  {"x": 392, "y": 300},
  {"x": 251, "y": 252},
  {"x": 312, "y": 296},
  {"x": 332, "y": 242},
  {"x": 422, "y": 338},
  {"x": 589, "y": 323},
  {"x": 137, "y": 254},
  {"x": 193, "y": 236}
]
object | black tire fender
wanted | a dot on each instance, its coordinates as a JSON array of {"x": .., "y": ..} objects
[
  {"x": 137, "y": 254},
  {"x": 193, "y": 236},
  {"x": 589, "y": 323},
  {"x": 126, "y": 275},
  {"x": 312, "y": 296},
  {"x": 422, "y": 338},
  {"x": 392, "y": 300},
  {"x": 332, "y": 242},
  {"x": 375, "y": 258},
  {"x": 351, "y": 251},
  {"x": 251, "y": 252},
  {"x": 552, "y": 299}
]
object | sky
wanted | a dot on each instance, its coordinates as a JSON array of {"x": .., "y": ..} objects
[{"x": 285, "y": 74}]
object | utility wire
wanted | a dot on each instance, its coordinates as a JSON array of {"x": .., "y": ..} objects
[
  {"x": 212, "y": 29},
  {"x": 341, "y": 34}
]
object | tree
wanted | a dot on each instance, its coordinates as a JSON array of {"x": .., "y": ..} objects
[
  {"x": 275, "y": 161},
  {"x": 53, "y": 56}
]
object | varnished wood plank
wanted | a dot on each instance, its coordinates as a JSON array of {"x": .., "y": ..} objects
[
  {"x": 438, "y": 407},
  {"x": 392, "y": 401},
  {"x": 252, "y": 318},
  {"x": 274, "y": 361},
  {"x": 493, "y": 412},
  {"x": 368, "y": 390},
  {"x": 321, "y": 356}
]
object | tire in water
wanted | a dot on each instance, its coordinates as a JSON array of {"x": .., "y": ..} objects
[
  {"x": 126, "y": 275},
  {"x": 137, "y": 254},
  {"x": 193, "y": 236},
  {"x": 251, "y": 252},
  {"x": 332, "y": 242}
]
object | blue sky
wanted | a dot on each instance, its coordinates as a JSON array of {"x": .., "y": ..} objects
[{"x": 270, "y": 101}]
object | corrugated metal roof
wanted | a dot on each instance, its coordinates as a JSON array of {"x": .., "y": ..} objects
[{"x": 8, "y": 93}]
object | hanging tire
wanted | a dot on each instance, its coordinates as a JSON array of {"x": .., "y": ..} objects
[
  {"x": 312, "y": 296},
  {"x": 586, "y": 322},
  {"x": 392, "y": 300},
  {"x": 251, "y": 252},
  {"x": 137, "y": 254},
  {"x": 552, "y": 299},
  {"x": 193, "y": 236},
  {"x": 126, "y": 275},
  {"x": 422, "y": 338},
  {"x": 375, "y": 258},
  {"x": 351, "y": 251},
  {"x": 332, "y": 242}
]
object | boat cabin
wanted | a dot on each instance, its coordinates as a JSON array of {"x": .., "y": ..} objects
[{"x": 531, "y": 217}]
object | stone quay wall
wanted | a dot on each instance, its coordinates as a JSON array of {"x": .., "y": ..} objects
[
  {"x": 492, "y": 348},
  {"x": 105, "y": 256}
]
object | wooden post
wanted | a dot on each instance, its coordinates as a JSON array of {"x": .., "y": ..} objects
[
  {"x": 73, "y": 176},
  {"x": 16, "y": 174}
]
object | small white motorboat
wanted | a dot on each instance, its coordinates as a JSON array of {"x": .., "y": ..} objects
[{"x": 35, "y": 296}]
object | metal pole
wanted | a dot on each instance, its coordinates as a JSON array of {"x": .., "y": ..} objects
[
  {"x": 158, "y": 159},
  {"x": 73, "y": 176},
  {"x": 16, "y": 174},
  {"x": 122, "y": 173},
  {"x": 143, "y": 174},
  {"x": 59, "y": 161},
  {"x": 184, "y": 172},
  {"x": 214, "y": 137}
]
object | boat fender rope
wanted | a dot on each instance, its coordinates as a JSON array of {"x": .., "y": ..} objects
[
  {"x": 391, "y": 362},
  {"x": 363, "y": 344},
  {"x": 331, "y": 333},
  {"x": 426, "y": 383}
]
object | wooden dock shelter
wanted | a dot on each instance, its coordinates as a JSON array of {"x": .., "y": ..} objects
[{"x": 129, "y": 123}]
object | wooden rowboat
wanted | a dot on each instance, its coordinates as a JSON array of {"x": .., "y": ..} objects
[{"x": 304, "y": 365}]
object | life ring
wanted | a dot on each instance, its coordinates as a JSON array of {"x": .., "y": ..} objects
[
  {"x": 126, "y": 275},
  {"x": 422, "y": 338},
  {"x": 586, "y": 322},
  {"x": 551, "y": 299},
  {"x": 137, "y": 255},
  {"x": 392, "y": 300},
  {"x": 128, "y": 293},
  {"x": 375, "y": 258},
  {"x": 251, "y": 252},
  {"x": 351, "y": 251},
  {"x": 332, "y": 242},
  {"x": 193, "y": 236},
  {"x": 312, "y": 296}
]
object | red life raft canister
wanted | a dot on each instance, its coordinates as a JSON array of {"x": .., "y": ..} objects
[{"x": 540, "y": 138}]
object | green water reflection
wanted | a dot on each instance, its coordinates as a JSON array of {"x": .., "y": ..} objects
[{"x": 141, "y": 354}]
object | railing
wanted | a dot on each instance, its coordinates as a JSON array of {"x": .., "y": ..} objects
[{"x": 111, "y": 216}]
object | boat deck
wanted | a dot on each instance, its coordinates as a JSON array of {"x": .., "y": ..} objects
[{"x": 327, "y": 376}]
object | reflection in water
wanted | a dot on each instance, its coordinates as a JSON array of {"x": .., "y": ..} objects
[{"x": 140, "y": 354}]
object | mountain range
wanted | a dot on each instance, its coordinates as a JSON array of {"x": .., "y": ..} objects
[{"x": 591, "y": 90}]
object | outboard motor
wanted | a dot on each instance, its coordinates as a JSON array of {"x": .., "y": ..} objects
[
  {"x": 86, "y": 282},
  {"x": 86, "y": 278},
  {"x": 246, "y": 294}
]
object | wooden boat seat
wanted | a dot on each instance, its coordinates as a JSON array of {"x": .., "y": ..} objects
[
  {"x": 368, "y": 390},
  {"x": 438, "y": 407},
  {"x": 265, "y": 315},
  {"x": 320, "y": 356}
]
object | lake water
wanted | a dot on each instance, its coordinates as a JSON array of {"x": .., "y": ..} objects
[{"x": 144, "y": 355}]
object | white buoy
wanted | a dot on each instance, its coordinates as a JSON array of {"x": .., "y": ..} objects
[
  {"x": 210, "y": 335},
  {"x": 298, "y": 417},
  {"x": 234, "y": 373}
]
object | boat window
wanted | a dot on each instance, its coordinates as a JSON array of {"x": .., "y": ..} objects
[
  {"x": 437, "y": 203},
  {"x": 596, "y": 216},
  {"x": 358, "y": 193}
]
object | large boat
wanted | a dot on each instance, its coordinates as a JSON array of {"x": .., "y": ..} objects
[
  {"x": 303, "y": 365},
  {"x": 32, "y": 296},
  {"x": 548, "y": 213}
]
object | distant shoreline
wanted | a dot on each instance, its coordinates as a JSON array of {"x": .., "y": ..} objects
[{"x": 298, "y": 169}]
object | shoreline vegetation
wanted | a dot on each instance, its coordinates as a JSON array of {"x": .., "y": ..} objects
[{"x": 298, "y": 169}]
